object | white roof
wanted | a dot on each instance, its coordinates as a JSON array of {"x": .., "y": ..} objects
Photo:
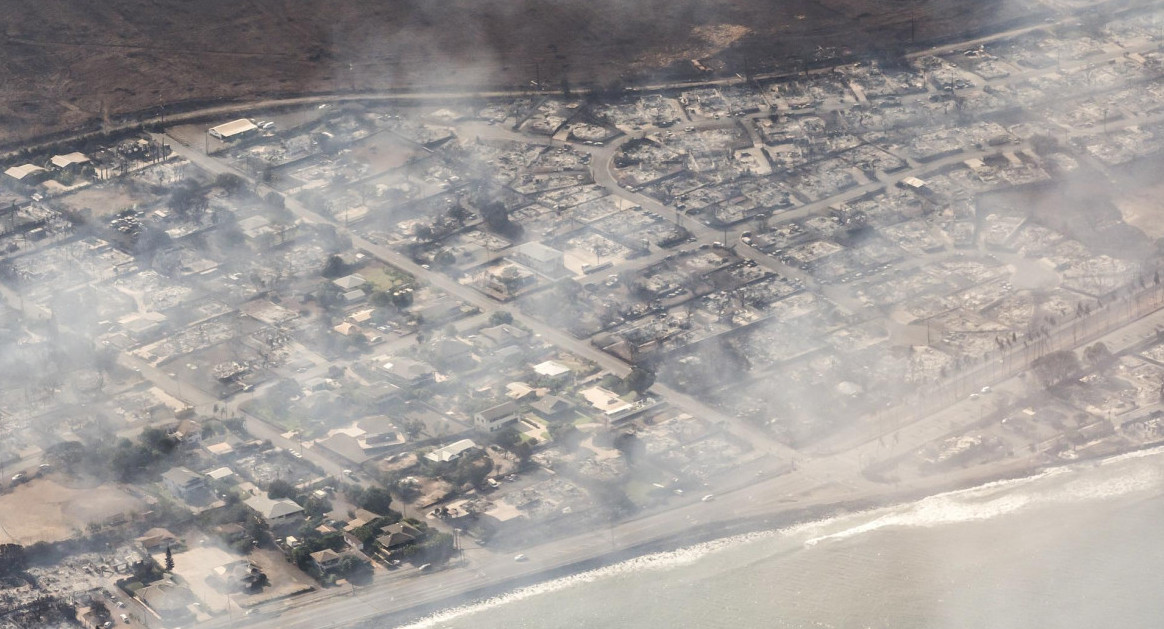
[
  {"x": 550, "y": 369},
  {"x": 61, "y": 161},
  {"x": 220, "y": 473},
  {"x": 541, "y": 253},
  {"x": 451, "y": 451},
  {"x": 23, "y": 170},
  {"x": 220, "y": 448},
  {"x": 604, "y": 400},
  {"x": 269, "y": 508},
  {"x": 233, "y": 128},
  {"x": 348, "y": 282},
  {"x": 181, "y": 476}
]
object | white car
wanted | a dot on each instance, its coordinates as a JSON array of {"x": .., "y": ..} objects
[
  {"x": 708, "y": 498},
  {"x": 520, "y": 558}
]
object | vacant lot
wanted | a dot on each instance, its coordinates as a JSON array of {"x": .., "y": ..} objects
[
  {"x": 45, "y": 511},
  {"x": 103, "y": 201},
  {"x": 196, "y": 565},
  {"x": 70, "y": 63}
]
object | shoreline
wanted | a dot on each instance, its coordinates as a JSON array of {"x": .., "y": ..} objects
[{"x": 721, "y": 530}]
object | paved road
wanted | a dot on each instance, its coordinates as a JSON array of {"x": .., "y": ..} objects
[
  {"x": 202, "y": 400},
  {"x": 603, "y": 173},
  {"x": 406, "y": 589},
  {"x": 827, "y": 479},
  {"x": 758, "y": 438},
  {"x": 770, "y": 497}
]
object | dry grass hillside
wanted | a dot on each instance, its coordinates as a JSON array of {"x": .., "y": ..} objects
[{"x": 71, "y": 61}]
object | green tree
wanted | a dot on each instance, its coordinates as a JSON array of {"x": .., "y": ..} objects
[
  {"x": 472, "y": 470},
  {"x": 507, "y": 437},
  {"x": 280, "y": 488},
  {"x": 257, "y": 529},
  {"x": 66, "y": 455},
  {"x": 315, "y": 507},
  {"x": 413, "y": 428},
  {"x": 188, "y": 200},
  {"x": 628, "y": 444},
  {"x": 158, "y": 441},
  {"x": 169, "y": 560},
  {"x": 1054, "y": 368},
  {"x": 402, "y": 298},
  {"x": 376, "y": 499},
  {"x": 380, "y": 298},
  {"x": 1098, "y": 356},
  {"x": 566, "y": 435},
  {"x": 436, "y": 547},
  {"x": 230, "y": 182},
  {"x": 640, "y": 380},
  {"x": 495, "y": 215},
  {"x": 334, "y": 267},
  {"x": 100, "y": 611},
  {"x": 351, "y": 565},
  {"x": 500, "y": 317},
  {"x": 422, "y": 232}
]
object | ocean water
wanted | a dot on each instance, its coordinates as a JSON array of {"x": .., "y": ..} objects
[{"x": 1075, "y": 547}]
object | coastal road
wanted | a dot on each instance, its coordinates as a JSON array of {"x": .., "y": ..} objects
[
  {"x": 422, "y": 94},
  {"x": 409, "y": 588}
]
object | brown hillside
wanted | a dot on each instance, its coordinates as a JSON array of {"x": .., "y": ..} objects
[{"x": 68, "y": 61}]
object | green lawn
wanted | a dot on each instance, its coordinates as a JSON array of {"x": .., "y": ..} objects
[{"x": 385, "y": 278}]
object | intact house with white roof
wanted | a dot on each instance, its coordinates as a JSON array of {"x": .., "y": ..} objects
[
  {"x": 278, "y": 513},
  {"x": 451, "y": 452}
]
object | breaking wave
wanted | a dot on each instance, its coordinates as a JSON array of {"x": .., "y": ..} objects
[
  {"x": 1004, "y": 497},
  {"x": 653, "y": 562},
  {"x": 991, "y": 500}
]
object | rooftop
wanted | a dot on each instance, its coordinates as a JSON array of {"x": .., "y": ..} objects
[
  {"x": 539, "y": 252},
  {"x": 233, "y": 128},
  {"x": 407, "y": 369},
  {"x": 349, "y": 282},
  {"x": 551, "y": 405},
  {"x": 22, "y": 171},
  {"x": 451, "y": 451},
  {"x": 271, "y": 509},
  {"x": 181, "y": 476},
  {"x": 551, "y": 369},
  {"x": 495, "y": 412},
  {"x": 64, "y": 161}
]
